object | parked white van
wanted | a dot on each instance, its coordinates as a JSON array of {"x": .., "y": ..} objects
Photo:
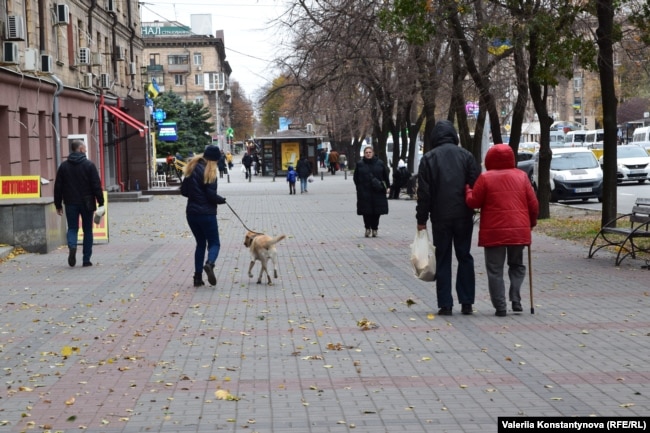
[
  {"x": 575, "y": 174},
  {"x": 557, "y": 139},
  {"x": 594, "y": 138},
  {"x": 575, "y": 138},
  {"x": 641, "y": 137}
]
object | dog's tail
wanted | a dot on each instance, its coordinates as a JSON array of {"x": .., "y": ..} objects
[{"x": 276, "y": 239}]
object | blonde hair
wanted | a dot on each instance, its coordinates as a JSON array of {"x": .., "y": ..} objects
[{"x": 210, "y": 172}]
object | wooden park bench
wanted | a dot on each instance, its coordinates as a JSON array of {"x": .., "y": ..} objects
[{"x": 625, "y": 238}]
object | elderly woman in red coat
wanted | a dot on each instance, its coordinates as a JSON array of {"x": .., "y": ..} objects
[{"x": 509, "y": 211}]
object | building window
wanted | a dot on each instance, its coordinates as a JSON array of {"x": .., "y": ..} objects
[
  {"x": 178, "y": 60},
  {"x": 198, "y": 100},
  {"x": 577, "y": 83},
  {"x": 577, "y": 105},
  {"x": 198, "y": 59},
  {"x": 178, "y": 79},
  {"x": 158, "y": 78},
  {"x": 198, "y": 79},
  {"x": 154, "y": 59}
]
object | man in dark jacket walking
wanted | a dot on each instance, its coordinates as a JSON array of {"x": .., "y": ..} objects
[
  {"x": 443, "y": 173},
  {"x": 304, "y": 171},
  {"x": 247, "y": 161},
  {"x": 78, "y": 185}
]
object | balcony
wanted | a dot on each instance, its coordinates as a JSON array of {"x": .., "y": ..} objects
[
  {"x": 154, "y": 68},
  {"x": 178, "y": 69}
]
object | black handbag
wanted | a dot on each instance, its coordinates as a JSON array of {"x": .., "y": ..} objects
[{"x": 377, "y": 184}]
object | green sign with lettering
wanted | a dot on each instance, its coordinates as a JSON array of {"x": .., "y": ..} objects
[{"x": 152, "y": 30}]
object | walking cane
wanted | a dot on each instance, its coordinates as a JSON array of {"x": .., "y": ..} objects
[{"x": 530, "y": 280}]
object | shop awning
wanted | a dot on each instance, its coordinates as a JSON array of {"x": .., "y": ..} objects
[{"x": 141, "y": 127}]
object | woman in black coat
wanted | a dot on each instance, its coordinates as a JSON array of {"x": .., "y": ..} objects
[{"x": 371, "y": 181}]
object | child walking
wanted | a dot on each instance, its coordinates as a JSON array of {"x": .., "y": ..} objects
[{"x": 291, "y": 179}]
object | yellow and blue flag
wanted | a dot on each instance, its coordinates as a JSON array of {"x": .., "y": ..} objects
[{"x": 152, "y": 90}]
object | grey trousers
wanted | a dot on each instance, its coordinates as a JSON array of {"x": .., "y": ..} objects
[{"x": 495, "y": 258}]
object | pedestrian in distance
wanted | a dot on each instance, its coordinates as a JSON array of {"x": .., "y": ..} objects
[
  {"x": 333, "y": 161},
  {"x": 247, "y": 162},
  {"x": 401, "y": 177},
  {"x": 371, "y": 181},
  {"x": 229, "y": 160},
  {"x": 291, "y": 179},
  {"x": 222, "y": 166},
  {"x": 257, "y": 168},
  {"x": 78, "y": 186},
  {"x": 442, "y": 175},
  {"x": 170, "y": 163},
  {"x": 200, "y": 187},
  {"x": 509, "y": 210},
  {"x": 304, "y": 170}
]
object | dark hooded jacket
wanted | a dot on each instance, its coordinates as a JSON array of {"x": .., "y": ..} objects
[
  {"x": 76, "y": 178},
  {"x": 443, "y": 173},
  {"x": 369, "y": 200},
  {"x": 303, "y": 168}
]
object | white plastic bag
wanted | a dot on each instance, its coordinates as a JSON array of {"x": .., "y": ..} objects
[
  {"x": 99, "y": 213},
  {"x": 423, "y": 256}
]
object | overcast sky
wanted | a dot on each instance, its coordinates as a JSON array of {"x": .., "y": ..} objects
[{"x": 250, "y": 46}]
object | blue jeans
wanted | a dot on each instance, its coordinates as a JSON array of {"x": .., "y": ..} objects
[
  {"x": 456, "y": 233},
  {"x": 206, "y": 233},
  {"x": 303, "y": 184},
  {"x": 72, "y": 213}
]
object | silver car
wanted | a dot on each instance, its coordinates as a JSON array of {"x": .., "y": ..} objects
[{"x": 632, "y": 164}]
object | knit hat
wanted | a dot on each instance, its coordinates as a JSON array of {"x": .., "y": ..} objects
[{"x": 212, "y": 153}]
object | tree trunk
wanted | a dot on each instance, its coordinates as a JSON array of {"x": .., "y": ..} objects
[
  {"x": 539, "y": 98},
  {"x": 605, "y": 12}
]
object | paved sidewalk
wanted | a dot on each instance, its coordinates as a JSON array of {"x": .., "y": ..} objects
[{"x": 128, "y": 345}]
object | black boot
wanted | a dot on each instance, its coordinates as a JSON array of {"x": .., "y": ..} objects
[
  {"x": 209, "y": 271},
  {"x": 197, "y": 280}
]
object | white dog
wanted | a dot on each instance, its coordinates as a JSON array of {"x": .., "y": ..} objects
[{"x": 262, "y": 248}]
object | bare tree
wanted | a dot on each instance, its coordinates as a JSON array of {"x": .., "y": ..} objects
[{"x": 241, "y": 113}]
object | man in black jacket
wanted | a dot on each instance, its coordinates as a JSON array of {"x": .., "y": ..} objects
[
  {"x": 247, "y": 161},
  {"x": 78, "y": 185},
  {"x": 304, "y": 171},
  {"x": 443, "y": 173}
]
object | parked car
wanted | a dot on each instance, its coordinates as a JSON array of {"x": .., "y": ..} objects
[
  {"x": 641, "y": 137},
  {"x": 575, "y": 138},
  {"x": 557, "y": 139},
  {"x": 529, "y": 146},
  {"x": 594, "y": 138},
  {"x": 632, "y": 164},
  {"x": 525, "y": 162},
  {"x": 575, "y": 174}
]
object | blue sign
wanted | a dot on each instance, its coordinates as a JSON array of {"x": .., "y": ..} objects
[
  {"x": 284, "y": 123},
  {"x": 167, "y": 131},
  {"x": 159, "y": 115}
]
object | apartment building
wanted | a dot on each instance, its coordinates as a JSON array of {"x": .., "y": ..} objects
[
  {"x": 69, "y": 69},
  {"x": 191, "y": 62}
]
